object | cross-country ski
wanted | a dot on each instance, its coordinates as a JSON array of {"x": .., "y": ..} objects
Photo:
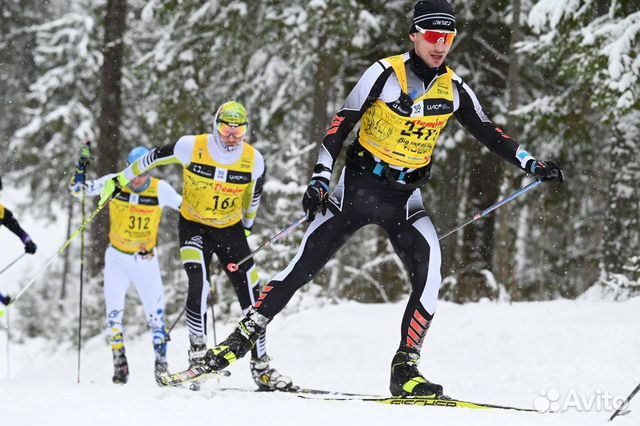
[{"x": 319, "y": 212}]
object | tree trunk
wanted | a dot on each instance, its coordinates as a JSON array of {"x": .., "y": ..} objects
[
  {"x": 108, "y": 152},
  {"x": 621, "y": 219},
  {"x": 477, "y": 246},
  {"x": 325, "y": 69},
  {"x": 504, "y": 262}
]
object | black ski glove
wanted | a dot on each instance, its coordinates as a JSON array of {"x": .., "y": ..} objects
[
  {"x": 315, "y": 197},
  {"x": 29, "y": 246},
  {"x": 546, "y": 171},
  {"x": 5, "y": 300}
]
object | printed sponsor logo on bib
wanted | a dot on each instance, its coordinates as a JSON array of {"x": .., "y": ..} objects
[{"x": 221, "y": 175}]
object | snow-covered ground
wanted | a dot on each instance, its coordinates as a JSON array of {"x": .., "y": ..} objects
[{"x": 496, "y": 353}]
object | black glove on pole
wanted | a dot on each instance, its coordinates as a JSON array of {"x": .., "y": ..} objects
[
  {"x": 546, "y": 171},
  {"x": 315, "y": 197}
]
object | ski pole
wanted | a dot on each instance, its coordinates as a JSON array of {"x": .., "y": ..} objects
[
  {"x": 82, "y": 246},
  {"x": 12, "y": 262},
  {"x": 8, "y": 344},
  {"x": 176, "y": 320},
  {"x": 625, "y": 404},
  {"x": 61, "y": 250},
  {"x": 213, "y": 324},
  {"x": 233, "y": 267},
  {"x": 492, "y": 207}
]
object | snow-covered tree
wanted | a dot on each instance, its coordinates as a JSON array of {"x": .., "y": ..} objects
[{"x": 587, "y": 116}]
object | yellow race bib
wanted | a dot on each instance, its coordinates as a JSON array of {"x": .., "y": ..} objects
[
  {"x": 135, "y": 219},
  {"x": 213, "y": 192},
  {"x": 408, "y": 141}
]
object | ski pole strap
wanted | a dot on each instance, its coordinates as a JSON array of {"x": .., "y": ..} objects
[{"x": 493, "y": 207}]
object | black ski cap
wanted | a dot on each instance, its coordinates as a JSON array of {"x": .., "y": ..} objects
[{"x": 433, "y": 15}]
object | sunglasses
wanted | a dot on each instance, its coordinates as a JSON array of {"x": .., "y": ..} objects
[
  {"x": 226, "y": 129},
  {"x": 434, "y": 37}
]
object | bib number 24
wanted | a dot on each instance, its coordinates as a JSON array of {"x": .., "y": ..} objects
[{"x": 419, "y": 131}]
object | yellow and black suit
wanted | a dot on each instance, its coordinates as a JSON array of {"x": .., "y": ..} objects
[
  {"x": 403, "y": 106},
  {"x": 221, "y": 195},
  {"x": 8, "y": 219}
]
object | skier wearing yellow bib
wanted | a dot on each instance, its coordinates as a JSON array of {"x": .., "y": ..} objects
[
  {"x": 403, "y": 103},
  {"x": 132, "y": 257},
  {"x": 223, "y": 179},
  {"x": 9, "y": 220}
]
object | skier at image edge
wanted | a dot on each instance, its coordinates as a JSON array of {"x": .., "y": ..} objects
[
  {"x": 8, "y": 219},
  {"x": 223, "y": 180},
  {"x": 132, "y": 256},
  {"x": 403, "y": 101}
]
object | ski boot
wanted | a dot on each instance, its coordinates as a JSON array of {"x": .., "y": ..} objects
[
  {"x": 161, "y": 367},
  {"x": 406, "y": 379},
  {"x": 269, "y": 379},
  {"x": 120, "y": 367},
  {"x": 196, "y": 355},
  {"x": 161, "y": 370},
  {"x": 243, "y": 338}
]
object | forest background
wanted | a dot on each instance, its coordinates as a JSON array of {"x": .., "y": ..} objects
[{"x": 562, "y": 77}]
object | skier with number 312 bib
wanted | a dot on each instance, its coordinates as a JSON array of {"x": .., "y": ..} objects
[{"x": 132, "y": 257}]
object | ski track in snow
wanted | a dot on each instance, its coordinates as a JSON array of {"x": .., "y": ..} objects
[{"x": 494, "y": 353}]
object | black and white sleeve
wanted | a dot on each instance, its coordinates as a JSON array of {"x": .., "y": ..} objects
[{"x": 469, "y": 113}]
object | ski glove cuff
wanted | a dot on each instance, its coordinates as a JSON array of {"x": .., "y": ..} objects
[
  {"x": 546, "y": 171},
  {"x": 315, "y": 197}
]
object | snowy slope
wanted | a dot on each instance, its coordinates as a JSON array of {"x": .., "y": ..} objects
[{"x": 498, "y": 353}]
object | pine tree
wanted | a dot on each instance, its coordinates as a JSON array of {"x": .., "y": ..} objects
[{"x": 587, "y": 111}]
